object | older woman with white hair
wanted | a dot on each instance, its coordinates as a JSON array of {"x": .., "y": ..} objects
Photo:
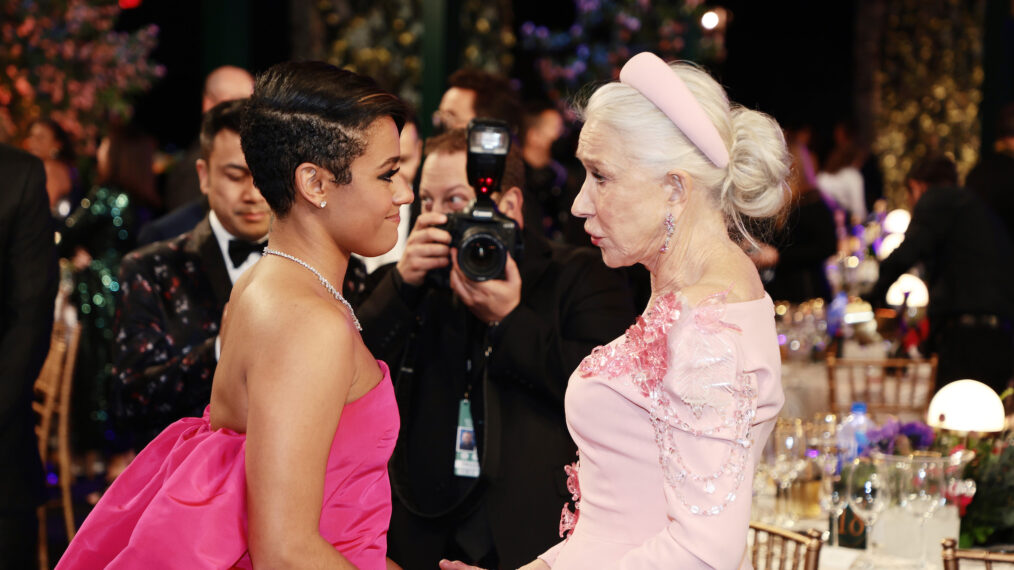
[{"x": 670, "y": 419}]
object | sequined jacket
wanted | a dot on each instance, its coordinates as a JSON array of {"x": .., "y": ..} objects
[
  {"x": 167, "y": 319},
  {"x": 105, "y": 225}
]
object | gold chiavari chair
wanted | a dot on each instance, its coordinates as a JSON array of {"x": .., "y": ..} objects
[
  {"x": 774, "y": 548},
  {"x": 52, "y": 398},
  {"x": 898, "y": 386},
  {"x": 953, "y": 556}
]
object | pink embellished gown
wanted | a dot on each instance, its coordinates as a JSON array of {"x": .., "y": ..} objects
[
  {"x": 670, "y": 421},
  {"x": 182, "y": 502}
]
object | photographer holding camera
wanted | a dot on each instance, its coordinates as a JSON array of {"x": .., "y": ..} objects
[{"x": 483, "y": 337}]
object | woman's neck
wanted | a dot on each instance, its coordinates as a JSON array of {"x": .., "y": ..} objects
[
  {"x": 694, "y": 250},
  {"x": 311, "y": 244}
]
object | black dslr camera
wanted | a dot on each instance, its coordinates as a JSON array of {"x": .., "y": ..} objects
[{"x": 483, "y": 236}]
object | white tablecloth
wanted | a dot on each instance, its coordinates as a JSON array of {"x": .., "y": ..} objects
[{"x": 897, "y": 537}]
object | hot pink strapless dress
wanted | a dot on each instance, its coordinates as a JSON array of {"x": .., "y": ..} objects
[{"x": 182, "y": 502}]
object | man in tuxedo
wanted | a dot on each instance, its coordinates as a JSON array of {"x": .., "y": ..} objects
[
  {"x": 28, "y": 282},
  {"x": 174, "y": 291},
  {"x": 183, "y": 197},
  {"x": 490, "y": 357}
]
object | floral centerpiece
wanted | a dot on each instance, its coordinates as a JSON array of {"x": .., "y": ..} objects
[
  {"x": 988, "y": 519},
  {"x": 896, "y": 438},
  {"x": 983, "y": 491}
]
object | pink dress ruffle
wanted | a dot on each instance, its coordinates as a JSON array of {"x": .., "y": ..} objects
[{"x": 182, "y": 502}]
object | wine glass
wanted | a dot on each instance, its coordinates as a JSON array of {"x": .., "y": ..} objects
[
  {"x": 833, "y": 495},
  {"x": 785, "y": 459},
  {"x": 826, "y": 425},
  {"x": 922, "y": 493},
  {"x": 869, "y": 494}
]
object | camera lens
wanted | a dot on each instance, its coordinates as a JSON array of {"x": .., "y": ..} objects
[{"x": 481, "y": 255}]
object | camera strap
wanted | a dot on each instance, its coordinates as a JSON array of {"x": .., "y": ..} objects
[{"x": 399, "y": 472}]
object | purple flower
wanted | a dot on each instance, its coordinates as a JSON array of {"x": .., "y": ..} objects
[
  {"x": 885, "y": 439},
  {"x": 920, "y": 434}
]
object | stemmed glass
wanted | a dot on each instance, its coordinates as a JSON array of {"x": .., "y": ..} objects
[
  {"x": 922, "y": 493},
  {"x": 833, "y": 495},
  {"x": 785, "y": 459},
  {"x": 826, "y": 426},
  {"x": 869, "y": 494}
]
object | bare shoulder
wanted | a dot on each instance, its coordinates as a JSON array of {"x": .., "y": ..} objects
[{"x": 293, "y": 329}]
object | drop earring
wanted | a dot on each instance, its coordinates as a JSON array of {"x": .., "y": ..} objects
[{"x": 670, "y": 225}]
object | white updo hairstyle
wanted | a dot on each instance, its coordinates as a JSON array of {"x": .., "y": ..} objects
[{"x": 753, "y": 185}]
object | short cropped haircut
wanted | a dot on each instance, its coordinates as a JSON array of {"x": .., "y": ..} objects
[
  {"x": 494, "y": 96},
  {"x": 935, "y": 170},
  {"x": 226, "y": 116},
  {"x": 309, "y": 112},
  {"x": 456, "y": 140}
]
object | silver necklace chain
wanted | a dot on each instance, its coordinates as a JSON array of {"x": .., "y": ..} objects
[{"x": 327, "y": 285}]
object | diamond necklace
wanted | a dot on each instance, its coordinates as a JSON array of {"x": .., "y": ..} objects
[{"x": 327, "y": 285}]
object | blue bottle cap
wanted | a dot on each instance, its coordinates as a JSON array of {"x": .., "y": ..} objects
[{"x": 858, "y": 407}]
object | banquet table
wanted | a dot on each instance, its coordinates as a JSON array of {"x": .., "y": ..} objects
[{"x": 897, "y": 537}]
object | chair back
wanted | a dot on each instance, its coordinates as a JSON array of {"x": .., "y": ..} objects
[
  {"x": 774, "y": 548},
  {"x": 898, "y": 386},
  {"x": 52, "y": 398},
  {"x": 52, "y": 387},
  {"x": 954, "y": 555}
]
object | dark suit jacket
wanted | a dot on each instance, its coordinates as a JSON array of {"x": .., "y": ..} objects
[
  {"x": 993, "y": 180},
  {"x": 966, "y": 253},
  {"x": 28, "y": 282},
  {"x": 176, "y": 222},
  {"x": 570, "y": 303},
  {"x": 167, "y": 319}
]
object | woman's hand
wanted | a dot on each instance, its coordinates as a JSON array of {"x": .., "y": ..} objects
[
  {"x": 456, "y": 565},
  {"x": 536, "y": 564}
]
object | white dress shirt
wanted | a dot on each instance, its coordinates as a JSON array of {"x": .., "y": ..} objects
[{"x": 222, "y": 236}]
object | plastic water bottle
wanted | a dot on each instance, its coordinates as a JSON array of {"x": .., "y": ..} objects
[{"x": 852, "y": 439}]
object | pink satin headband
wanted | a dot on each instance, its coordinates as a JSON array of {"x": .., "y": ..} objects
[{"x": 654, "y": 79}]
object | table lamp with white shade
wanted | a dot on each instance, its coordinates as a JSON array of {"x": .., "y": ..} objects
[
  {"x": 888, "y": 245},
  {"x": 896, "y": 221},
  {"x": 918, "y": 294},
  {"x": 966, "y": 406}
]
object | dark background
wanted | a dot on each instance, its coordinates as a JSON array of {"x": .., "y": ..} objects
[{"x": 792, "y": 59}]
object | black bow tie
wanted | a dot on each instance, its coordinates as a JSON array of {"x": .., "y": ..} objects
[{"x": 239, "y": 250}]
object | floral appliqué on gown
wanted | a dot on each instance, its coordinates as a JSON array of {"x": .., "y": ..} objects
[{"x": 709, "y": 397}]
